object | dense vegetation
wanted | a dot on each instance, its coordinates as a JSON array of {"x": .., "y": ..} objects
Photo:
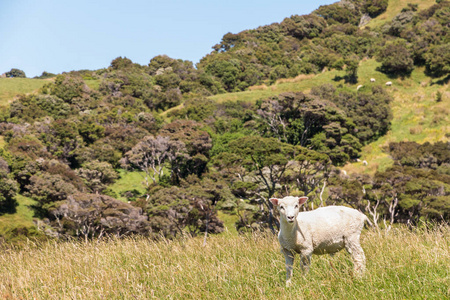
[{"x": 65, "y": 145}]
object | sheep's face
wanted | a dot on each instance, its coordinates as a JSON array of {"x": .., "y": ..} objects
[{"x": 289, "y": 207}]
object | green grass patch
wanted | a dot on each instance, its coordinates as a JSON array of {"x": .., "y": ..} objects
[
  {"x": 229, "y": 222},
  {"x": 395, "y": 7},
  {"x": 11, "y": 87},
  {"x": 128, "y": 181},
  {"x": 417, "y": 116},
  {"x": 19, "y": 222},
  {"x": 2, "y": 142},
  {"x": 24, "y": 214},
  {"x": 302, "y": 83},
  {"x": 93, "y": 84}
]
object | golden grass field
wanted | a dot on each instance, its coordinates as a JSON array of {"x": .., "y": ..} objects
[{"x": 401, "y": 264}]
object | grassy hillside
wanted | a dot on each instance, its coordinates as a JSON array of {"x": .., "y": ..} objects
[
  {"x": 19, "y": 222},
  {"x": 129, "y": 181},
  {"x": 10, "y": 87},
  {"x": 401, "y": 264},
  {"x": 395, "y": 7},
  {"x": 417, "y": 115}
]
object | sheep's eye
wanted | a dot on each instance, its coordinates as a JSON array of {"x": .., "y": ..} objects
[
  {"x": 296, "y": 206},
  {"x": 281, "y": 207}
]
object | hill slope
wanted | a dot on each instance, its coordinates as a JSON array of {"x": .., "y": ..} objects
[
  {"x": 11, "y": 87},
  {"x": 84, "y": 126}
]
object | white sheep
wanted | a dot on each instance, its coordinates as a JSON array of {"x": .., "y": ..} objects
[
  {"x": 359, "y": 86},
  {"x": 389, "y": 83},
  {"x": 372, "y": 79},
  {"x": 321, "y": 231}
]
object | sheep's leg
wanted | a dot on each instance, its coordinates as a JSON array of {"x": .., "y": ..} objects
[
  {"x": 289, "y": 257},
  {"x": 353, "y": 247},
  {"x": 306, "y": 261}
]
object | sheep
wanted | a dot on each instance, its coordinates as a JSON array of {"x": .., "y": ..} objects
[
  {"x": 324, "y": 230},
  {"x": 389, "y": 83},
  {"x": 372, "y": 79},
  {"x": 365, "y": 163},
  {"x": 359, "y": 86}
]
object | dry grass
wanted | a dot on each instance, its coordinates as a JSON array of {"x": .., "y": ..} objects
[
  {"x": 402, "y": 264},
  {"x": 261, "y": 87},
  {"x": 416, "y": 130},
  {"x": 298, "y": 78}
]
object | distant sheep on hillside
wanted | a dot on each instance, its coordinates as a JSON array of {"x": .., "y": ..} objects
[
  {"x": 372, "y": 79},
  {"x": 389, "y": 83}
]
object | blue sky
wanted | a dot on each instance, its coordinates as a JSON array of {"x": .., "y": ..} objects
[{"x": 62, "y": 35}]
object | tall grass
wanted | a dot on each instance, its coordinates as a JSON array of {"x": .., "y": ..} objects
[{"x": 401, "y": 264}]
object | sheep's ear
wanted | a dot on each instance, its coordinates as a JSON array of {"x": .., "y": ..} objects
[
  {"x": 274, "y": 201},
  {"x": 302, "y": 200}
]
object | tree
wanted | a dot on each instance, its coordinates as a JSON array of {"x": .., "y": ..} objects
[
  {"x": 94, "y": 215},
  {"x": 437, "y": 60},
  {"x": 151, "y": 154},
  {"x": 175, "y": 210},
  {"x": 306, "y": 26},
  {"x": 310, "y": 173},
  {"x": 68, "y": 88},
  {"x": 120, "y": 63},
  {"x": 227, "y": 71},
  {"x": 396, "y": 58},
  {"x": 8, "y": 188},
  {"x": 46, "y": 75},
  {"x": 97, "y": 175},
  {"x": 16, "y": 73},
  {"x": 351, "y": 71},
  {"x": 375, "y": 7},
  {"x": 266, "y": 160},
  {"x": 191, "y": 154},
  {"x": 339, "y": 13}
]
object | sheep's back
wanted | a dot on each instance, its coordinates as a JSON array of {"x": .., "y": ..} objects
[{"x": 326, "y": 228}]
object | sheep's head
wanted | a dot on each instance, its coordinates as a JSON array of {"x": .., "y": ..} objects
[{"x": 289, "y": 207}]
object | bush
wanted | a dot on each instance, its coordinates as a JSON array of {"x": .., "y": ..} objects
[
  {"x": 174, "y": 210},
  {"x": 375, "y": 7},
  {"x": 93, "y": 215},
  {"x": 437, "y": 60},
  {"x": 8, "y": 189},
  {"x": 16, "y": 73},
  {"x": 97, "y": 175},
  {"x": 396, "y": 58}
]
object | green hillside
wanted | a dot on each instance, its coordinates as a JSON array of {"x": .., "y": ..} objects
[
  {"x": 394, "y": 8},
  {"x": 278, "y": 97},
  {"x": 152, "y": 181},
  {"x": 11, "y": 87}
]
